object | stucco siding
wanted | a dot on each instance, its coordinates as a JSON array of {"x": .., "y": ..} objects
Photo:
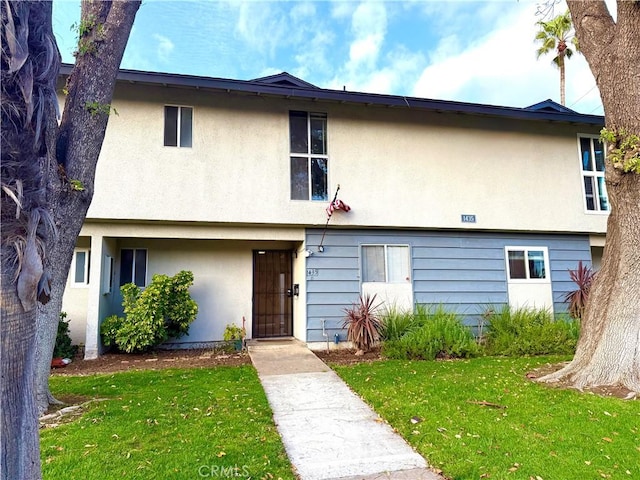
[
  {"x": 396, "y": 167},
  {"x": 463, "y": 271}
]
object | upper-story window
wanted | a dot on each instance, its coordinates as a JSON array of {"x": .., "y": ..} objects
[
  {"x": 309, "y": 159},
  {"x": 592, "y": 165},
  {"x": 178, "y": 123}
]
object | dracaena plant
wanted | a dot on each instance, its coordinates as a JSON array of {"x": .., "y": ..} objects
[
  {"x": 363, "y": 323},
  {"x": 583, "y": 278}
]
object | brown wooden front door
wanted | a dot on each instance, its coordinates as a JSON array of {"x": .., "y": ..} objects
[{"x": 272, "y": 293}]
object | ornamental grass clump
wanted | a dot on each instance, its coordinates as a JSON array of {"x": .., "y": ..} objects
[
  {"x": 363, "y": 323},
  {"x": 583, "y": 277},
  {"x": 396, "y": 323},
  {"x": 433, "y": 333},
  {"x": 530, "y": 331}
]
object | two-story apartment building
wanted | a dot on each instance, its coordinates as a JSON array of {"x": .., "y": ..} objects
[{"x": 458, "y": 204}]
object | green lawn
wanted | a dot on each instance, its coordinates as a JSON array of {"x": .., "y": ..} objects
[
  {"x": 168, "y": 424},
  {"x": 541, "y": 433}
]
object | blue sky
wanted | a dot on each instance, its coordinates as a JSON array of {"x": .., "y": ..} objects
[{"x": 473, "y": 51}]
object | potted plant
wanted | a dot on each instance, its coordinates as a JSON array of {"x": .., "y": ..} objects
[{"x": 234, "y": 333}]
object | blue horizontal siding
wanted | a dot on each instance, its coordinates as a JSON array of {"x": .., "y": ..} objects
[{"x": 464, "y": 271}]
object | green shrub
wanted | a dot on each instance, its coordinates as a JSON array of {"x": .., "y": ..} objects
[
  {"x": 63, "y": 347},
  {"x": 395, "y": 323},
  {"x": 433, "y": 334},
  {"x": 109, "y": 329},
  {"x": 233, "y": 332},
  {"x": 163, "y": 310},
  {"x": 528, "y": 331}
]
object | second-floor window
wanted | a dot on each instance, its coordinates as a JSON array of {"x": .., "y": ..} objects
[
  {"x": 178, "y": 122},
  {"x": 309, "y": 159},
  {"x": 592, "y": 165}
]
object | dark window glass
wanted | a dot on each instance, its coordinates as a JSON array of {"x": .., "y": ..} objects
[
  {"x": 186, "y": 118},
  {"x": 536, "y": 264},
  {"x": 585, "y": 152},
  {"x": 171, "y": 126},
  {"x": 602, "y": 195},
  {"x": 299, "y": 179},
  {"x": 140, "y": 269},
  {"x": 319, "y": 179},
  {"x": 598, "y": 150},
  {"x": 126, "y": 266},
  {"x": 318, "y": 134},
  {"x": 298, "y": 132},
  {"x": 81, "y": 258},
  {"x": 588, "y": 190},
  {"x": 517, "y": 267}
]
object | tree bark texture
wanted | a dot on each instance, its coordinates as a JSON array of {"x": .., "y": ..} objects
[
  {"x": 20, "y": 454},
  {"x": 106, "y": 30},
  {"x": 30, "y": 65},
  {"x": 608, "y": 352}
]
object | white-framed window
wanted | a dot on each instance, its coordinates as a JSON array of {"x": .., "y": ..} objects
[
  {"x": 592, "y": 155},
  {"x": 308, "y": 155},
  {"x": 133, "y": 266},
  {"x": 527, "y": 264},
  {"x": 385, "y": 263},
  {"x": 178, "y": 126},
  {"x": 80, "y": 267}
]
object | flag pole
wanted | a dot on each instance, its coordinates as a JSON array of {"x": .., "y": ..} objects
[{"x": 335, "y": 197}]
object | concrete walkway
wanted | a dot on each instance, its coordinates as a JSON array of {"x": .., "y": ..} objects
[{"x": 328, "y": 431}]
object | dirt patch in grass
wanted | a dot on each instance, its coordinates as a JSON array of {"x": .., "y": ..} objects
[
  {"x": 346, "y": 356},
  {"x": 156, "y": 360},
  {"x": 606, "y": 391}
]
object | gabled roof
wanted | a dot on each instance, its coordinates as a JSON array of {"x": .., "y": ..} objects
[
  {"x": 287, "y": 86},
  {"x": 549, "y": 105},
  {"x": 284, "y": 79}
]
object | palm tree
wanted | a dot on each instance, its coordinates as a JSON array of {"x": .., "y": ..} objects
[{"x": 555, "y": 35}]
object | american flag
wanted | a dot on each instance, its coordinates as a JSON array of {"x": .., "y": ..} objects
[{"x": 337, "y": 204}]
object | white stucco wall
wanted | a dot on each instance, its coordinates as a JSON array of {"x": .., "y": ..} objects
[{"x": 396, "y": 167}]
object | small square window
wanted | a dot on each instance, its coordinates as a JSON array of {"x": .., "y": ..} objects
[{"x": 178, "y": 126}]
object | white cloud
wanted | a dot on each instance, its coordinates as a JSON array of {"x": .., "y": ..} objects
[
  {"x": 500, "y": 68},
  {"x": 164, "y": 48}
]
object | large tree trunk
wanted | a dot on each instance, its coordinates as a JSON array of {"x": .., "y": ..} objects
[
  {"x": 19, "y": 428},
  {"x": 80, "y": 138},
  {"x": 30, "y": 65},
  {"x": 608, "y": 351}
]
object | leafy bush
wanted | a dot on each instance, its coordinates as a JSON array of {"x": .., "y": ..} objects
[
  {"x": 583, "y": 278},
  {"x": 395, "y": 323},
  {"x": 63, "y": 347},
  {"x": 363, "y": 323},
  {"x": 109, "y": 329},
  {"x": 432, "y": 334},
  {"x": 527, "y": 331},
  {"x": 163, "y": 310},
  {"x": 233, "y": 332}
]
